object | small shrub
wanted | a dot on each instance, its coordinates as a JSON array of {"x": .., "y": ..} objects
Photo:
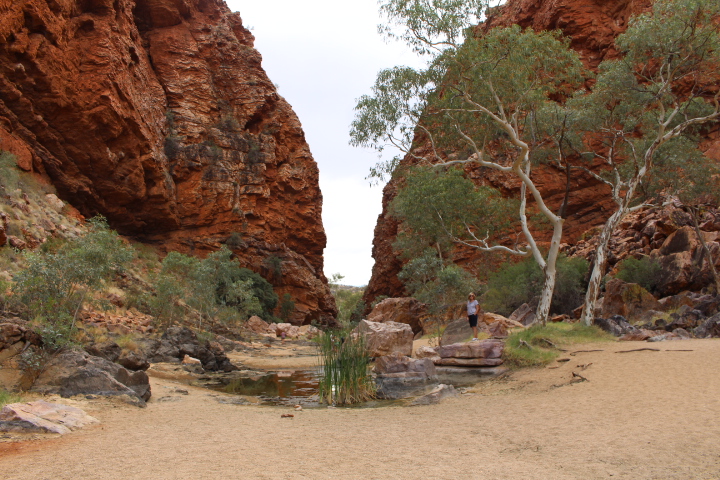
[
  {"x": 287, "y": 307},
  {"x": 172, "y": 146},
  {"x": 274, "y": 265},
  {"x": 9, "y": 171},
  {"x": 644, "y": 271},
  {"x": 127, "y": 342},
  {"x": 9, "y": 397},
  {"x": 235, "y": 241}
]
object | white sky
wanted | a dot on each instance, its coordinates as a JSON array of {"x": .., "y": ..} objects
[{"x": 324, "y": 54}]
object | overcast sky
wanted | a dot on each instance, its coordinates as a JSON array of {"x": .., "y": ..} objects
[{"x": 324, "y": 54}]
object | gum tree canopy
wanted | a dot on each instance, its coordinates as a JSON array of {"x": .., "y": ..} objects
[
  {"x": 509, "y": 98},
  {"x": 484, "y": 96}
]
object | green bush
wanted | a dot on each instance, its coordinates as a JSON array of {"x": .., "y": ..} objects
[
  {"x": 644, "y": 271},
  {"x": 217, "y": 287},
  {"x": 9, "y": 172},
  {"x": 287, "y": 307},
  {"x": 54, "y": 286},
  {"x": 518, "y": 283}
]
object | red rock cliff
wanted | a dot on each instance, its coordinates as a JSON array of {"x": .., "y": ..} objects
[
  {"x": 592, "y": 26},
  {"x": 158, "y": 115}
]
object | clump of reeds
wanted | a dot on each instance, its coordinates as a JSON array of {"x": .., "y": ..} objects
[{"x": 345, "y": 378}]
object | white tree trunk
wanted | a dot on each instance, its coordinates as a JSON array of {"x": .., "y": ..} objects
[
  {"x": 598, "y": 271},
  {"x": 550, "y": 270}
]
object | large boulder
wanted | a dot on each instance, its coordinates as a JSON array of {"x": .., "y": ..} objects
[
  {"x": 629, "y": 300},
  {"x": 257, "y": 325},
  {"x": 400, "y": 310},
  {"x": 484, "y": 353},
  {"x": 400, "y": 363},
  {"x": 524, "y": 314},
  {"x": 386, "y": 338},
  {"x": 75, "y": 373},
  {"x": 680, "y": 261},
  {"x": 43, "y": 417},
  {"x": 108, "y": 350},
  {"x": 177, "y": 342},
  {"x": 457, "y": 331},
  {"x": 399, "y": 376}
]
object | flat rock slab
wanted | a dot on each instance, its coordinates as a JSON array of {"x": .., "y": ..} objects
[
  {"x": 468, "y": 375},
  {"x": 43, "y": 417},
  {"x": 469, "y": 362},
  {"x": 476, "y": 349}
]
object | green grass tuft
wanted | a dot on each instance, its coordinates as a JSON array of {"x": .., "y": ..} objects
[
  {"x": 345, "y": 377},
  {"x": 541, "y": 340},
  {"x": 9, "y": 397}
]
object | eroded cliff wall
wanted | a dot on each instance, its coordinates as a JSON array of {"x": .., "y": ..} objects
[
  {"x": 592, "y": 26},
  {"x": 158, "y": 115}
]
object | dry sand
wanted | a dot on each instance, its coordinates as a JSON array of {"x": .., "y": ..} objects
[{"x": 640, "y": 415}]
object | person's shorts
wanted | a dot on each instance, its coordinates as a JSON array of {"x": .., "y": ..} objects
[{"x": 473, "y": 320}]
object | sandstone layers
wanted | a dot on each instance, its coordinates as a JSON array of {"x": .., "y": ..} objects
[
  {"x": 592, "y": 27},
  {"x": 158, "y": 115}
]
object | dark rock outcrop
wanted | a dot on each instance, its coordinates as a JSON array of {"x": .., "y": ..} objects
[{"x": 75, "y": 373}]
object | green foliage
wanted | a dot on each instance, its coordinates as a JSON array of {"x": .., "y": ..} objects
[
  {"x": 274, "y": 264},
  {"x": 287, "y": 307},
  {"x": 345, "y": 377},
  {"x": 644, "y": 271},
  {"x": 634, "y": 106},
  {"x": 9, "y": 172},
  {"x": 54, "y": 286},
  {"x": 538, "y": 349},
  {"x": 518, "y": 283},
  {"x": 348, "y": 300},
  {"x": 217, "y": 287},
  {"x": 436, "y": 207}
]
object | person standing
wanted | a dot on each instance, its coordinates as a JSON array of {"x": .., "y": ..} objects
[{"x": 473, "y": 309}]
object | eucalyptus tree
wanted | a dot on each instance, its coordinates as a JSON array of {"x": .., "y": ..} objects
[
  {"x": 646, "y": 104},
  {"x": 479, "y": 96}
]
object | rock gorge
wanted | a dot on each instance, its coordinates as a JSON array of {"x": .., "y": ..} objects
[
  {"x": 592, "y": 27},
  {"x": 158, "y": 115}
]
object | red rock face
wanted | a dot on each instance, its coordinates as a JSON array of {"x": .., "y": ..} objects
[
  {"x": 158, "y": 115},
  {"x": 592, "y": 26}
]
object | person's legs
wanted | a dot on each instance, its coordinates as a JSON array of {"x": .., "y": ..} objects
[{"x": 473, "y": 319}]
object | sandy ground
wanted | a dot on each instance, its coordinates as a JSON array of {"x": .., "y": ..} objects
[{"x": 640, "y": 415}]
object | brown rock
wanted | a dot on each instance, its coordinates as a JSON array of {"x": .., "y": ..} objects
[
  {"x": 525, "y": 315},
  {"x": 400, "y": 363},
  {"x": 401, "y": 310},
  {"x": 469, "y": 362},
  {"x": 44, "y": 417},
  {"x": 286, "y": 330},
  {"x": 386, "y": 338},
  {"x": 257, "y": 325},
  {"x": 175, "y": 134},
  {"x": 425, "y": 351},
  {"x": 15, "y": 242},
  {"x": 473, "y": 349},
  {"x": 627, "y": 299}
]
